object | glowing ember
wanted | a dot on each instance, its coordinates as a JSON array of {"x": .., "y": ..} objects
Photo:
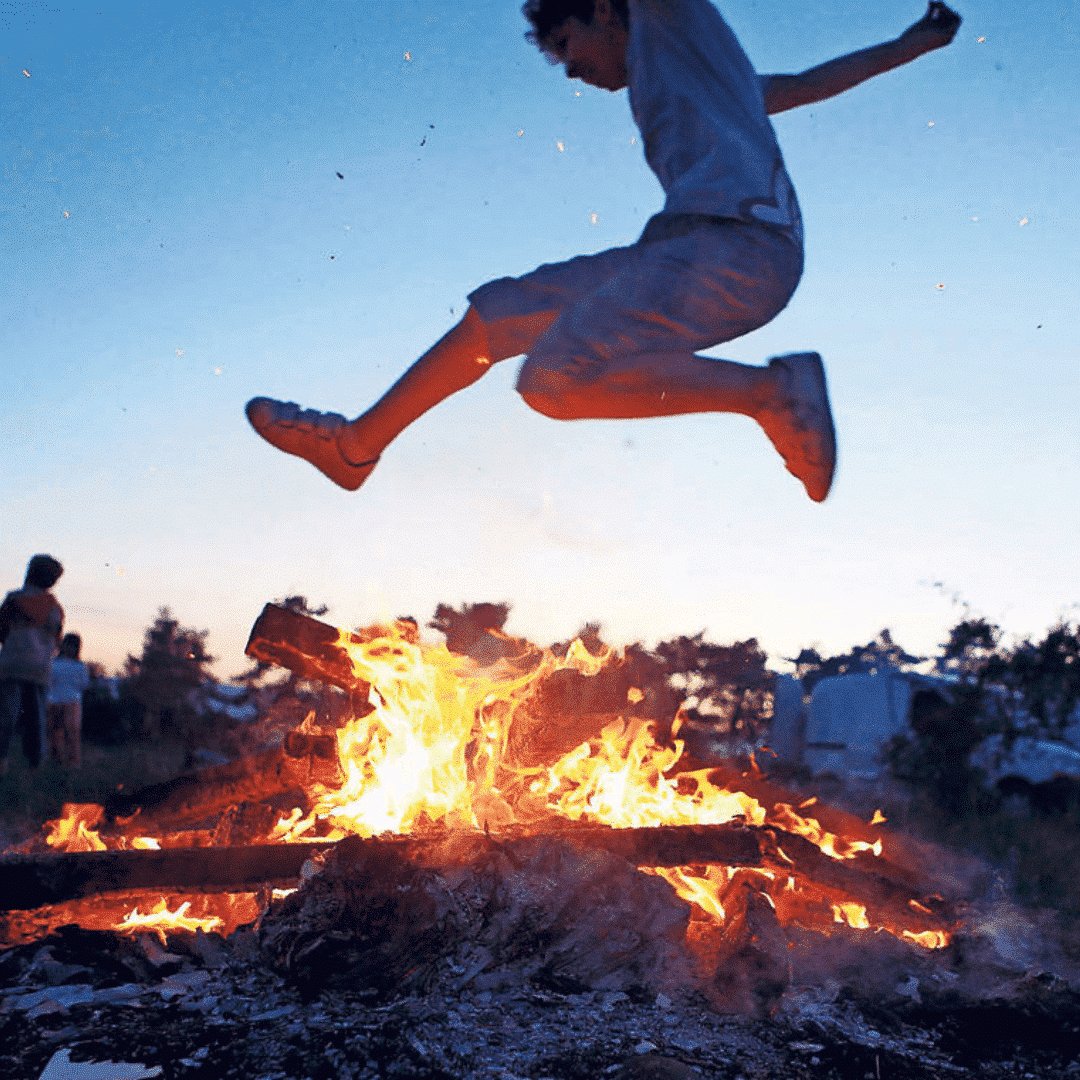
[
  {"x": 929, "y": 939},
  {"x": 161, "y": 920},
  {"x": 852, "y": 914}
]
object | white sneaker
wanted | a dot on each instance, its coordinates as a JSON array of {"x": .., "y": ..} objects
[
  {"x": 311, "y": 435},
  {"x": 801, "y": 425}
]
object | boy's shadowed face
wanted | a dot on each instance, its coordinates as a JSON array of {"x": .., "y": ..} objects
[{"x": 594, "y": 52}]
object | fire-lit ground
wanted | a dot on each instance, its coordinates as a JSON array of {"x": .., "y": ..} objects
[
  {"x": 440, "y": 750},
  {"x": 206, "y": 1007}
]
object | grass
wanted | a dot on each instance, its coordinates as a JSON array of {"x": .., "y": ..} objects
[
  {"x": 29, "y": 798},
  {"x": 1038, "y": 855}
]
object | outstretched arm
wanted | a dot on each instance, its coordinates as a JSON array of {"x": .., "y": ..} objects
[{"x": 935, "y": 29}]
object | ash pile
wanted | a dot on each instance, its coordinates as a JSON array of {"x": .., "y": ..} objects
[{"x": 529, "y": 958}]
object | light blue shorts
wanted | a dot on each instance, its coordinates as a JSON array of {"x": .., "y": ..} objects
[{"x": 690, "y": 282}]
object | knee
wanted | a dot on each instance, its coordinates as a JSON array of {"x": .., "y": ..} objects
[
  {"x": 550, "y": 405},
  {"x": 551, "y": 393}
]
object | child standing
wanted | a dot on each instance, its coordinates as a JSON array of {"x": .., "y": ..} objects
[{"x": 70, "y": 678}]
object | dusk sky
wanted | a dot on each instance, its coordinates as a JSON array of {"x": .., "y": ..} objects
[{"x": 177, "y": 240}]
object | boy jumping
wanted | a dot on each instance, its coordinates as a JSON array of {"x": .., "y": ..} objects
[{"x": 616, "y": 334}]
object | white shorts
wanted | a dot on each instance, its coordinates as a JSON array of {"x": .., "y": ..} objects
[{"x": 689, "y": 283}]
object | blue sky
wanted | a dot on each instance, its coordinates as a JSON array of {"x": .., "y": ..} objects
[{"x": 176, "y": 240}]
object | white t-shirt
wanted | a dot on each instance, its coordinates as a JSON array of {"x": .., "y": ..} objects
[
  {"x": 69, "y": 679},
  {"x": 698, "y": 104}
]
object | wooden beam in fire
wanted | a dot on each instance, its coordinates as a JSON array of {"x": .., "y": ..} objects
[
  {"x": 254, "y": 778},
  {"x": 32, "y": 881}
]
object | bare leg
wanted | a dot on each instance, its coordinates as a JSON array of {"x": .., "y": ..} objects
[
  {"x": 457, "y": 360},
  {"x": 788, "y": 398},
  {"x": 659, "y": 384},
  {"x": 348, "y": 451}
]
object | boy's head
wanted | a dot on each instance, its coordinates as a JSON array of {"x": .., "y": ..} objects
[
  {"x": 71, "y": 646},
  {"x": 43, "y": 572},
  {"x": 587, "y": 36}
]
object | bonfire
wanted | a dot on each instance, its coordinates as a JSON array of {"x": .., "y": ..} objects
[{"x": 436, "y": 758}]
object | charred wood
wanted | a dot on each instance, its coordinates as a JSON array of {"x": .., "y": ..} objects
[
  {"x": 310, "y": 648},
  {"x": 256, "y": 776},
  {"x": 31, "y": 881},
  {"x": 34, "y": 880},
  {"x": 566, "y": 917}
]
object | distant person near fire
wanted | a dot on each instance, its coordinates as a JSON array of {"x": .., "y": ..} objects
[
  {"x": 70, "y": 678},
  {"x": 31, "y": 622},
  {"x": 616, "y": 334}
]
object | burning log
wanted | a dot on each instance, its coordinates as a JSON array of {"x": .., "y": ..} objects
[
  {"x": 440, "y": 758},
  {"x": 566, "y": 707},
  {"x": 882, "y": 893},
  {"x": 32, "y": 881},
  {"x": 310, "y": 648},
  {"x": 905, "y": 862},
  {"x": 255, "y": 778}
]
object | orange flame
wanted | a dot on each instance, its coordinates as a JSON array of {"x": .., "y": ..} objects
[
  {"x": 435, "y": 747},
  {"x": 832, "y": 845},
  {"x": 74, "y": 830}
]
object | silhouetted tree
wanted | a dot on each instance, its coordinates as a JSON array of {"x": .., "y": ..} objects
[
  {"x": 470, "y": 626},
  {"x": 877, "y": 655},
  {"x": 936, "y": 759},
  {"x": 971, "y": 643},
  {"x": 726, "y": 686},
  {"x": 1029, "y": 689},
  {"x": 102, "y": 721},
  {"x": 166, "y": 678},
  {"x": 1039, "y": 682}
]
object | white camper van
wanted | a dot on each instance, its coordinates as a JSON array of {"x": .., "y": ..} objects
[{"x": 851, "y": 718}]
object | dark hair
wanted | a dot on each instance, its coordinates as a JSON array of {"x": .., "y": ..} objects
[
  {"x": 43, "y": 572},
  {"x": 70, "y": 646},
  {"x": 546, "y": 16}
]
